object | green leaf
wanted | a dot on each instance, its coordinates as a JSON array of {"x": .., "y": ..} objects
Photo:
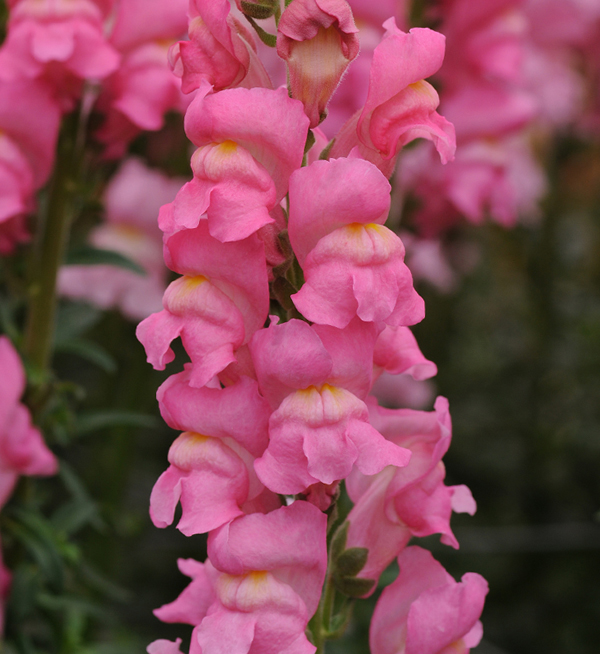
[
  {"x": 265, "y": 37},
  {"x": 41, "y": 547},
  {"x": 90, "y": 351},
  {"x": 95, "y": 420},
  {"x": 351, "y": 562},
  {"x": 259, "y": 10},
  {"x": 338, "y": 542},
  {"x": 80, "y": 510},
  {"x": 104, "y": 585},
  {"x": 24, "y": 588},
  {"x": 7, "y": 322},
  {"x": 325, "y": 152},
  {"x": 310, "y": 141},
  {"x": 70, "y": 603},
  {"x": 73, "y": 319},
  {"x": 89, "y": 256},
  {"x": 353, "y": 586},
  {"x": 74, "y": 515}
]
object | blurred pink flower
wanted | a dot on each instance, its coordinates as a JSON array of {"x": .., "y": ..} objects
[
  {"x": 425, "y": 611},
  {"x": 132, "y": 201}
]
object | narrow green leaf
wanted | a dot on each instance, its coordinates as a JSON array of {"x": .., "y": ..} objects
[
  {"x": 265, "y": 37},
  {"x": 325, "y": 152},
  {"x": 7, "y": 322},
  {"x": 104, "y": 585},
  {"x": 338, "y": 542},
  {"x": 95, "y": 420},
  {"x": 89, "y": 351},
  {"x": 74, "y": 515},
  {"x": 70, "y": 603},
  {"x": 89, "y": 256},
  {"x": 43, "y": 551},
  {"x": 310, "y": 141},
  {"x": 73, "y": 319}
]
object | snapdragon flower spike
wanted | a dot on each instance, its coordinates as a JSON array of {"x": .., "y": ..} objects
[
  {"x": 424, "y": 611},
  {"x": 211, "y": 469},
  {"x": 353, "y": 265},
  {"x": 220, "y": 50},
  {"x": 398, "y": 503},
  {"x": 215, "y": 307},
  {"x": 315, "y": 378},
  {"x": 57, "y": 35},
  {"x": 22, "y": 447},
  {"x": 317, "y": 39},
  {"x": 260, "y": 586},
  {"x": 243, "y": 165},
  {"x": 401, "y": 105}
]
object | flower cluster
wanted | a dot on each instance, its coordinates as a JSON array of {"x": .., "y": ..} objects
[
  {"x": 59, "y": 53},
  {"x": 510, "y": 74},
  {"x": 292, "y": 299}
]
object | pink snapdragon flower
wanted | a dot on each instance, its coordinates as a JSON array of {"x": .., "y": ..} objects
[
  {"x": 428, "y": 260},
  {"x": 400, "y": 105},
  {"x": 351, "y": 94},
  {"x": 398, "y": 503},
  {"x": 260, "y": 587},
  {"x": 221, "y": 51},
  {"x": 353, "y": 265},
  {"x": 317, "y": 39},
  {"x": 315, "y": 379},
  {"x": 496, "y": 177},
  {"x": 425, "y": 611},
  {"x": 486, "y": 41},
  {"x": 242, "y": 166},
  {"x": 211, "y": 469},
  {"x": 132, "y": 200},
  {"x": 27, "y": 146},
  {"x": 60, "y": 39},
  {"x": 138, "y": 95},
  {"x": 215, "y": 307},
  {"x": 397, "y": 352},
  {"x": 403, "y": 392},
  {"x": 22, "y": 448}
]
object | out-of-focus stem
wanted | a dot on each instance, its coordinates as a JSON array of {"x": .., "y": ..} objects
[{"x": 49, "y": 251}]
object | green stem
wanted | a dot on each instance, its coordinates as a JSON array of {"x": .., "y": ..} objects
[
  {"x": 320, "y": 623},
  {"x": 49, "y": 251}
]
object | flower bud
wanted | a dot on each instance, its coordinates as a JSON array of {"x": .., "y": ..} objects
[{"x": 318, "y": 41}]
